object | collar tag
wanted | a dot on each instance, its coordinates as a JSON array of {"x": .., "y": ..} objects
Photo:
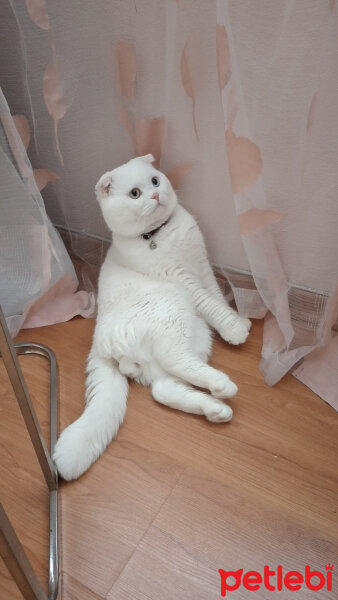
[{"x": 149, "y": 235}]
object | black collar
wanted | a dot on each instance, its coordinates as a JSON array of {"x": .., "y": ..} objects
[{"x": 150, "y": 234}]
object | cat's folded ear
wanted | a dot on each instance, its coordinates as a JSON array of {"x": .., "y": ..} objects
[
  {"x": 104, "y": 185},
  {"x": 147, "y": 158}
]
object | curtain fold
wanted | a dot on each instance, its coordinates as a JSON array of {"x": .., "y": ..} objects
[
  {"x": 237, "y": 100},
  {"x": 37, "y": 278}
]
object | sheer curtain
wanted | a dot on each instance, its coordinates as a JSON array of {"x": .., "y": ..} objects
[
  {"x": 238, "y": 101},
  {"x": 37, "y": 278}
]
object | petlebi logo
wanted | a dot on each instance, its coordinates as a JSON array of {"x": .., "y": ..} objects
[{"x": 276, "y": 580}]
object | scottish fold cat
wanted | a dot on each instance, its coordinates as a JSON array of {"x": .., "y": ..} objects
[{"x": 157, "y": 300}]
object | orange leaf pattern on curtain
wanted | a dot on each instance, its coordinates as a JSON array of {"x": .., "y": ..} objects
[
  {"x": 223, "y": 56},
  {"x": 54, "y": 96},
  {"x": 43, "y": 176},
  {"x": 232, "y": 108},
  {"x": 188, "y": 85},
  {"x": 175, "y": 175},
  {"x": 23, "y": 129},
  {"x": 254, "y": 219},
  {"x": 53, "y": 92},
  {"x": 124, "y": 119},
  {"x": 38, "y": 13},
  {"x": 245, "y": 161},
  {"x": 127, "y": 68},
  {"x": 149, "y": 137}
]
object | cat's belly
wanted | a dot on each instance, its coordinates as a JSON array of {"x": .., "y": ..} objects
[
  {"x": 144, "y": 296},
  {"x": 136, "y": 321},
  {"x": 140, "y": 361}
]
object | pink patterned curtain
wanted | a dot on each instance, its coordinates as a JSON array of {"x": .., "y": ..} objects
[
  {"x": 238, "y": 101},
  {"x": 37, "y": 278}
]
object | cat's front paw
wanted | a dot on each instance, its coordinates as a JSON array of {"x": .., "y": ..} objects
[{"x": 236, "y": 331}]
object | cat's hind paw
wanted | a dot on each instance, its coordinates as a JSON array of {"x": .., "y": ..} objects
[
  {"x": 222, "y": 387},
  {"x": 221, "y": 414},
  {"x": 129, "y": 368}
]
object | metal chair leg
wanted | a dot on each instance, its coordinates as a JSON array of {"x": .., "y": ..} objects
[
  {"x": 17, "y": 562},
  {"x": 9, "y": 353}
]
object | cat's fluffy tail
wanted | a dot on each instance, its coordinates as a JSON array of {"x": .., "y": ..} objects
[{"x": 80, "y": 444}]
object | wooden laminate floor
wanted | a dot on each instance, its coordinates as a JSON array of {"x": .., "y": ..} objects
[{"x": 176, "y": 498}]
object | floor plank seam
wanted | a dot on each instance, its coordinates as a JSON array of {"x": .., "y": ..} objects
[
  {"x": 146, "y": 531},
  {"x": 95, "y": 595}
]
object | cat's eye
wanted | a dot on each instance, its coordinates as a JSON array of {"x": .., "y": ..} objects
[
  {"x": 155, "y": 181},
  {"x": 135, "y": 193}
]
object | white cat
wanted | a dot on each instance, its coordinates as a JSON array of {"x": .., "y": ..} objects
[{"x": 157, "y": 298}]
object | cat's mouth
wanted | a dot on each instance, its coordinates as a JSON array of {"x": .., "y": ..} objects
[{"x": 158, "y": 202}]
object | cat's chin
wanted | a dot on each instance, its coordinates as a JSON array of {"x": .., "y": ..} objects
[{"x": 158, "y": 218}]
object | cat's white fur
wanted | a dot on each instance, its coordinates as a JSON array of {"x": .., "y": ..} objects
[{"x": 155, "y": 309}]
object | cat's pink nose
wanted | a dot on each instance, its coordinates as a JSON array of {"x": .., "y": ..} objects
[{"x": 155, "y": 196}]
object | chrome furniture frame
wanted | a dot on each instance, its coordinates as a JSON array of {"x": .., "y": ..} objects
[{"x": 11, "y": 550}]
